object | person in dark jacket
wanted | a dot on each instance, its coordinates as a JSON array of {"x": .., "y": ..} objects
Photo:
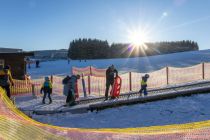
[
  {"x": 6, "y": 79},
  {"x": 110, "y": 73},
  {"x": 37, "y": 63},
  {"x": 47, "y": 88},
  {"x": 70, "y": 89},
  {"x": 144, "y": 85}
]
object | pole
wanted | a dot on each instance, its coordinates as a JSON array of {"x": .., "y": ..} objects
[
  {"x": 167, "y": 76},
  {"x": 33, "y": 91},
  {"x": 89, "y": 84},
  {"x": 51, "y": 78},
  {"x": 90, "y": 70},
  {"x": 83, "y": 86},
  {"x": 130, "y": 81},
  {"x": 203, "y": 70}
]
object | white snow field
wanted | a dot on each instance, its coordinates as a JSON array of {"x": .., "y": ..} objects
[{"x": 172, "y": 111}]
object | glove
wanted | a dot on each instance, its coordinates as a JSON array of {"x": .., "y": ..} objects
[
  {"x": 41, "y": 90},
  {"x": 116, "y": 74}
]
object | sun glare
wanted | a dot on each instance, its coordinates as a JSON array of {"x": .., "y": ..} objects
[{"x": 138, "y": 39}]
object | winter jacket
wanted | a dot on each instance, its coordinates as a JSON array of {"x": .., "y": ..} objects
[
  {"x": 144, "y": 81},
  {"x": 46, "y": 87},
  {"x": 69, "y": 84},
  {"x": 110, "y": 74},
  {"x": 6, "y": 78}
]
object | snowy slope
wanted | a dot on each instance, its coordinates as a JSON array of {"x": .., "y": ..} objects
[
  {"x": 139, "y": 64},
  {"x": 174, "y": 111}
]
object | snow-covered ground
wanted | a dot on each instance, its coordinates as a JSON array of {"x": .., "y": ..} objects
[
  {"x": 139, "y": 64},
  {"x": 173, "y": 111}
]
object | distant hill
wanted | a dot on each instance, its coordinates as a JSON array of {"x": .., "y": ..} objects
[
  {"x": 51, "y": 54},
  {"x": 10, "y": 50},
  {"x": 98, "y": 49}
]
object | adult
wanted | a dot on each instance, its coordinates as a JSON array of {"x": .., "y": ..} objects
[
  {"x": 68, "y": 60},
  {"x": 6, "y": 79},
  {"x": 110, "y": 79},
  {"x": 28, "y": 62},
  {"x": 37, "y": 63},
  {"x": 70, "y": 89}
]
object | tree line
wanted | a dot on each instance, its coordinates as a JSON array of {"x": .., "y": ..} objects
[{"x": 99, "y": 49}]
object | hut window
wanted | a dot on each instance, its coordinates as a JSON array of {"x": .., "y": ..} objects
[{"x": 1, "y": 63}]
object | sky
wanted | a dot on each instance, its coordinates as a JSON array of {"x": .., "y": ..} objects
[{"x": 53, "y": 24}]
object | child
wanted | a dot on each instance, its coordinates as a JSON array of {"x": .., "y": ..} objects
[
  {"x": 47, "y": 88},
  {"x": 144, "y": 85}
]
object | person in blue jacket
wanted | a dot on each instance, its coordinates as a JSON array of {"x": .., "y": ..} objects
[{"x": 47, "y": 88}]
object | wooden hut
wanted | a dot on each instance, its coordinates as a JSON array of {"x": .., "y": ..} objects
[{"x": 16, "y": 61}]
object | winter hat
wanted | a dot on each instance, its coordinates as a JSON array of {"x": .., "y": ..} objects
[
  {"x": 7, "y": 67},
  {"x": 147, "y": 75},
  {"x": 47, "y": 79}
]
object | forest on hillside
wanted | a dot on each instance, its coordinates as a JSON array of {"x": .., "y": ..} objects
[{"x": 99, "y": 49}]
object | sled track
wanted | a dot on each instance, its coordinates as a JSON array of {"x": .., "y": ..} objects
[
  {"x": 85, "y": 105},
  {"x": 157, "y": 91}
]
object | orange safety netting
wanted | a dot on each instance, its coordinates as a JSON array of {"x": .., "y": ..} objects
[
  {"x": 14, "y": 125},
  {"x": 85, "y": 71},
  {"x": 184, "y": 75},
  {"x": 95, "y": 81},
  {"x": 207, "y": 71},
  {"x": 57, "y": 84},
  {"x": 98, "y": 72},
  {"x": 157, "y": 79}
]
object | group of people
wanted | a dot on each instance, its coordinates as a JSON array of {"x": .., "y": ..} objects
[
  {"x": 69, "y": 82},
  {"x": 6, "y": 81},
  {"x": 69, "y": 89}
]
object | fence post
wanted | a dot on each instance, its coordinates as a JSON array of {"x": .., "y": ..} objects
[
  {"x": 51, "y": 78},
  {"x": 90, "y": 70},
  {"x": 203, "y": 70},
  {"x": 33, "y": 91},
  {"x": 89, "y": 84},
  {"x": 130, "y": 81},
  {"x": 83, "y": 86},
  {"x": 167, "y": 76}
]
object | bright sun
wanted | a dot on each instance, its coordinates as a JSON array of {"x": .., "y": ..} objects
[{"x": 137, "y": 39}]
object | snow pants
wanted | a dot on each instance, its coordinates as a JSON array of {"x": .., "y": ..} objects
[
  {"x": 108, "y": 83},
  {"x": 143, "y": 89}
]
